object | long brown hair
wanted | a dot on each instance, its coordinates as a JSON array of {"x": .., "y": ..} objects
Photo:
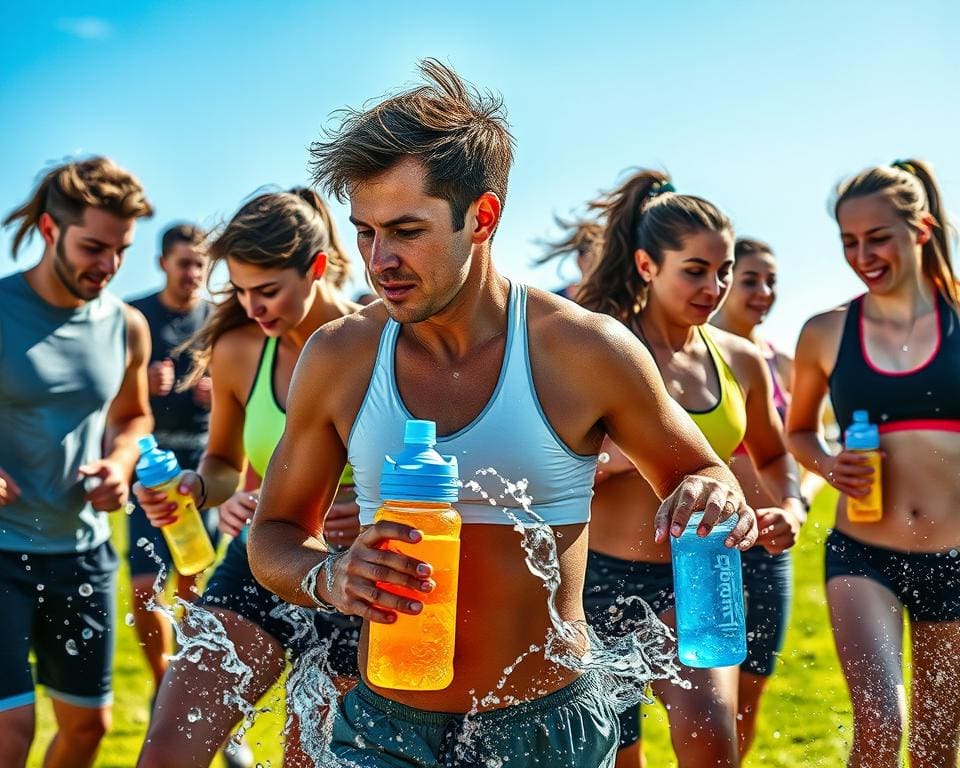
[
  {"x": 912, "y": 190},
  {"x": 66, "y": 191},
  {"x": 644, "y": 212},
  {"x": 584, "y": 237},
  {"x": 277, "y": 230}
]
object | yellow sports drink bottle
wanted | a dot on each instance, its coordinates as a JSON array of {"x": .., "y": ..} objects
[
  {"x": 418, "y": 489},
  {"x": 864, "y": 438},
  {"x": 186, "y": 537}
]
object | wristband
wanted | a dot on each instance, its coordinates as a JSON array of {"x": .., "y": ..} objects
[
  {"x": 309, "y": 584},
  {"x": 202, "y": 501}
]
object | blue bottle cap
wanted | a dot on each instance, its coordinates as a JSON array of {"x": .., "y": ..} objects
[
  {"x": 724, "y": 526},
  {"x": 861, "y": 435},
  {"x": 155, "y": 466},
  {"x": 419, "y": 473}
]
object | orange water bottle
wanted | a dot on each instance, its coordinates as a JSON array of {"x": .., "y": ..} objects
[
  {"x": 418, "y": 489},
  {"x": 864, "y": 438}
]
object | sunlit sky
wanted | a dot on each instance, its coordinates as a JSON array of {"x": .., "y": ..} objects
[{"x": 760, "y": 107}]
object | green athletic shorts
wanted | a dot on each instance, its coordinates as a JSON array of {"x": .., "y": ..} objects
[{"x": 574, "y": 727}]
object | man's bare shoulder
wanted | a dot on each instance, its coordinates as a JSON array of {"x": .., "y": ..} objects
[
  {"x": 343, "y": 339},
  {"x": 567, "y": 328}
]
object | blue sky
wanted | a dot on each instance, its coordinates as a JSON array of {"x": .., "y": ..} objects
[{"x": 760, "y": 107}]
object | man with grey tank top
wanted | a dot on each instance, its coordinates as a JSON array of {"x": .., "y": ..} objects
[{"x": 73, "y": 400}]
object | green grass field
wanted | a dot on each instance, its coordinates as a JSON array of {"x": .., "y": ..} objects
[{"x": 805, "y": 719}]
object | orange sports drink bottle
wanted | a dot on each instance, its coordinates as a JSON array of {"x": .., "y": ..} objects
[
  {"x": 864, "y": 438},
  {"x": 418, "y": 489},
  {"x": 186, "y": 536}
]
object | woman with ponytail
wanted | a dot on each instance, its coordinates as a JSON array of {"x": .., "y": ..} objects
[
  {"x": 664, "y": 269},
  {"x": 584, "y": 241},
  {"x": 286, "y": 269},
  {"x": 894, "y": 352}
]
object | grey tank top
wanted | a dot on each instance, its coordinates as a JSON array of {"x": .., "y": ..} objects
[{"x": 59, "y": 371}]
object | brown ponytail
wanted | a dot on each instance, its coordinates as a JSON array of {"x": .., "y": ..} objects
[
  {"x": 277, "y": 230},
  {"x": 644, "y": 212},
  {"x": 338, "y": 265},
  {"x": 66, "y": 191},
  {"x": 912, "y": 190}
]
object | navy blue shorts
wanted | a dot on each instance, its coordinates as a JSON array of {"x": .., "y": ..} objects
[
  {"x": 610, "y": 578},
  {"x": 139, "y": 527},
  {"x": 62, "y": 607},
  {"x": 926, "y": 583},
  {"x": 233, "y": 587},
  {"x": 767, "y": 592}
]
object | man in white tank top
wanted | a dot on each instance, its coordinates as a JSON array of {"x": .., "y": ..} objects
[{"x": 426, "y": 173}]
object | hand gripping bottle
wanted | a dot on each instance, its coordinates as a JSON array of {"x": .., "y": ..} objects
[
  {"x": 187, "y": 537},
  {"x": 864, "y": 438},
  {"x": 708, "y": 587},
  {"x": 418, "y": 489}
]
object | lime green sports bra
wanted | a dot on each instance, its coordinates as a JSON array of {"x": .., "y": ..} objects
[
  {"x": 264, "y": 420},
  {"x": 725, "y": 424}
]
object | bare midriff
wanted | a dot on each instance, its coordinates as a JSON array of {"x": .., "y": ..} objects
[
  {"x": 921, "y": 494},
  {"x": 622, "y": 520},
  {"x": 501, "y": 613}
]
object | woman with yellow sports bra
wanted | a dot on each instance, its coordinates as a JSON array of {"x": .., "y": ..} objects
[
  {"x": 286, "y": 268},
  {"x": 665, "y": 268}
]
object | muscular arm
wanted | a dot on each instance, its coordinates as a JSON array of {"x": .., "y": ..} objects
[
  {"x": 284, "y": 540},
  {"x": 129, "y": 416},
  {"x": 662, "y": 441}
]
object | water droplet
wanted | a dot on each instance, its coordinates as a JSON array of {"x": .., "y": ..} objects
[
  {"x": 71, "y": 646},
  {"x": 85, "y": 590},
  {"x": 129, "y": 620},
  {"x": 87, "y": 633},
  {"x": 953, "y": 553},
  {"x": 39, "y": 587},
  {"x": 194, "y": 714},
  {"x": 24, "y": 557}
]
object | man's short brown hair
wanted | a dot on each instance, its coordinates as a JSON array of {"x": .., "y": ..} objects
[{"x": 458, "y": 133}]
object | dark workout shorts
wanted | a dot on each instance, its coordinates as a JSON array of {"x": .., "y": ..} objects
[
  {"x": 926, "y": 583},
  {"x": 574, "y": 727},
  {"x": 233, "y": 587},
  {"x": 62, "y": 606},
  {"x": 767, "y": 594}
]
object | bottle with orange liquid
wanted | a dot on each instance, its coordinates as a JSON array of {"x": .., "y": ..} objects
[
  {"x": 863, "y": 437},
  {"x": 418, "y": 489}
]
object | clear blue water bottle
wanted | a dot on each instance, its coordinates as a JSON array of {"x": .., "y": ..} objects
[{"x": 708, "y": 584}]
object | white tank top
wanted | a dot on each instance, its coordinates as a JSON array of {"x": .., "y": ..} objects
[{"x": 511, "y": 435}]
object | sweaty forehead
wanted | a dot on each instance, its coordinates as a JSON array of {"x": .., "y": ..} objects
[{"x": 398, "y": 192}]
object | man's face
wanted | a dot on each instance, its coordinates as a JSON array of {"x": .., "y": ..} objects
[
  {"x": 185, "y": 266},
  {"x": 415, "y": 259},
  {"x": 88, "y": 254}
]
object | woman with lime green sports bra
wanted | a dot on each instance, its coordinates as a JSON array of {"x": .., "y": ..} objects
[
  {"x": 285, "y": 270},
  {"x": 664, "y": 269}
]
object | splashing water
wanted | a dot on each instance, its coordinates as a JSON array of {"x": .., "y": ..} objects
[
  {"x": 199, "y": 631},
  {"x": 625, "y": 664}
]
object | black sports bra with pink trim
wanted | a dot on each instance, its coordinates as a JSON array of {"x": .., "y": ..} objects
[{"x": 924, "y": 398}]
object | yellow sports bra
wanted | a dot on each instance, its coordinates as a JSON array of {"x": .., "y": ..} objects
[
  {"x": 725, "y": 424},
  {"x": 264, "y": 419}
]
